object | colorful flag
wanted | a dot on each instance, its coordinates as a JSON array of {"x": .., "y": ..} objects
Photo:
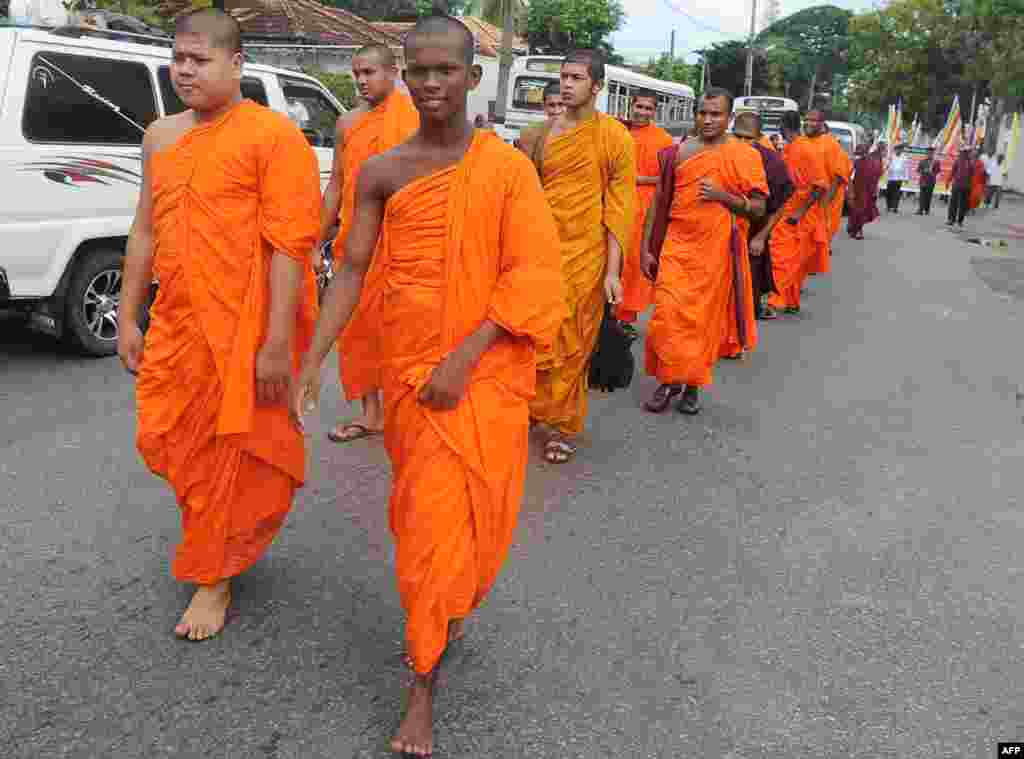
[
  {"x": 1014, "y": 139},
  {"x": 951, "y": 128}
]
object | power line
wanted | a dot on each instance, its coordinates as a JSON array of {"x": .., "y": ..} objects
[{"x": 696, "y": 21}]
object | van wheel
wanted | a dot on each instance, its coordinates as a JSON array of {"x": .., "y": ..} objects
[{"x": 93, "y": 297}]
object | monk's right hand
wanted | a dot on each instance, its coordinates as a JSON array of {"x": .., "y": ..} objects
[
  {"x": 649, "y": 265},
  {"x": 756, "y": 246},
  {"x": 305, "y": 394},
  {"x": 130, "y": 343}
]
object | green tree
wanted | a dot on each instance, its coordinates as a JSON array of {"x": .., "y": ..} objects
[
  {"x": 727, "y": 67},
  {"x": 342, "y": 86},
  {"x": 557, "y": 26},
  {"x": 677, "y": 70}
]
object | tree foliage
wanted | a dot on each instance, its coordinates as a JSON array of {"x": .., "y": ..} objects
[
  {"x": 673, "y": 70},
  {"x": 557, "y": 26},
  {"x": 342, "y": 86}
]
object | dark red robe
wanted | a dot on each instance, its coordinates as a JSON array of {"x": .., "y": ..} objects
[{"x": 864, "y": 203}]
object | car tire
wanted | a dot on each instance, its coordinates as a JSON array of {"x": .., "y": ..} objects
[{"x": 91, "y": 302}]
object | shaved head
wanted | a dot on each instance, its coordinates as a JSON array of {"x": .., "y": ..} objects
[
  {"x": 446, "y": 28},
  {"x": 221, "y": 29},
  {"x": 381, "y": 53},
  {"x": 748, "y": 123}
]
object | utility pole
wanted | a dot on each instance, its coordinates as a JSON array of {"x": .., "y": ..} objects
[
  {"x": 748, "y": 85},
  {"x": 505, "y": 65},
  {"x": 672, "y": 48}
]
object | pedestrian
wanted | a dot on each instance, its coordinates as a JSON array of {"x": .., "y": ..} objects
[
  {"x": 960, "y": 175},
  {"x": 867, "y": 172},
  {"x": 996, "y": 175},
  {"x": 226, "y": 218},
  {"x": 928, "y": 172},
  {"x": 838, "y": 169},
  {"x": 797, "y": 244},
  {"x": 553, "y": 105},
  {"x": 649, "y": 139},
  {"x": 899, "y": 172},
  {"x": 385, "y": 118},
  {"x": 703, "y": 302},
  {"x": 979, "y": 178},
  {"x": 747, "y": 128},
  {"x": 587, "y": 164},
  {"x": 473, "y": 290}
]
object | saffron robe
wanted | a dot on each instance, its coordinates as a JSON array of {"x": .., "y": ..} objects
[
  {"x": 589, "y": 179},
  {"x": 638, "y": 291},
  {"x": 979, "y": 178},
  {"x": 388, "y": 125},
  {"x": 226, "y": 196},
  {"x": 780, "y": 188},
  {"x": 840, "y": 167},
  {"x": 454, "y": 251},
  {"x": 795, "y": 247},
  {"x": 695, "y": 297}
]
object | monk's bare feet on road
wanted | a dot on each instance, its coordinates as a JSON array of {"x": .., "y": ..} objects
[
  {"x": 416, "y": 733},
  {"x": 456, "y": 632},
  {"x": 207, "y": 613}
]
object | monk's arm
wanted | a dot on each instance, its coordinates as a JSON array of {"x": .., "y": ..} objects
[
  {"x": 765, "y": 232},
  {"x": 836, "y": 182},
  {"x": 138, "y": 261},
  {"x": 343, "y": 293},
  {"x": 816, "y": 193},
  {"x": 332, "y": 195},
  {"x": 641, "y": 181},
  {"x": 285, "y": 286},
  {"x": 645, "y": 244}
]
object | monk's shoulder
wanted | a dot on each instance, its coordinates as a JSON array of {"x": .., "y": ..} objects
[
  {"x": 506, "y": 161},
  {"x": 528, "y": 136},
  {"x": 166, "y": 131},
  {"x": 615, "y": 129}
]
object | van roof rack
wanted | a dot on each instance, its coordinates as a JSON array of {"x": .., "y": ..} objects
[{"x": 113, "y": 34}]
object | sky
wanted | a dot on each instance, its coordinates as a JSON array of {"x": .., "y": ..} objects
[{"x": 649, "y": 23}]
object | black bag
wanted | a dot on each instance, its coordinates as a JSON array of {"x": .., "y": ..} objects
[{"x": 612, "y": 364}]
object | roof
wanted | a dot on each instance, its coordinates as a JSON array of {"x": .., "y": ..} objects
[
  {"x": 304, "y": 21},
  {"x": 487, "y": 36}
]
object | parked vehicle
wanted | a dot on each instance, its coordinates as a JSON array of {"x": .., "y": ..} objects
[
  {"x": 768, "y": 107},
  {"x": 850, "y": 136},
  {"x": 76, "y": 102},
  {"x": 531, "y": 74}
]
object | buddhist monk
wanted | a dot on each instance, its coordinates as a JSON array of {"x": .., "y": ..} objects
[
  {"x": 703, "y": 303},
  {"x": 637, "y": 290},
  {"x": 587, "y": 165},
  {"x": 384, "y": 118},
  {"x": 780, "y": 187},
  {"x": 838, "y": 169},
  {"x": 979, "y": 178},
  {"x": 797, "y": 243},
  {"x": 553, "y": 105},
  {"x": 867, "y": 173},
  {"x": 226, "y": 218},
  {"x": 471, "y": 292}
]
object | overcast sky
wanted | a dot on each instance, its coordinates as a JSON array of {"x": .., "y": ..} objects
[{"x": 650, "y": 22}]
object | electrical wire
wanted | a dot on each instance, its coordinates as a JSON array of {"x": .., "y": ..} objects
[{"x": 673, "y": 6}]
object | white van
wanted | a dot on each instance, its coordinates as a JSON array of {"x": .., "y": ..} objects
[
  {"x": 75, "y": 103},
  {"x": 850, "y": 136}
]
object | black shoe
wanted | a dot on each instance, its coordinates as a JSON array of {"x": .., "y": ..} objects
[{"x": 690, "y": 402}]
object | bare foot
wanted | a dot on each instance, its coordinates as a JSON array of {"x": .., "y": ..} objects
[
  {"x": 207, "y": 613},
  {"x": 416, "y": 733},
  {"x": 456, "y": 632}
]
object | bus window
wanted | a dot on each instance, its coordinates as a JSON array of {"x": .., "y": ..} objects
[{"x": 528, "y": 94}]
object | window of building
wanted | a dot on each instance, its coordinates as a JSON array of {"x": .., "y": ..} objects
[
  {"x": 252, "y": 88},
  {"x": 312, "y": 111},
  {"x": 76, "y": 98}
]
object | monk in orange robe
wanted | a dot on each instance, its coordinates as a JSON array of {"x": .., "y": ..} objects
[
  {"x": 587, "y": 164},
  {"x": 384, "y": 119},
  {"x": 637, "y": 290},
  {"x": 979, "y": 178},
  {"x": 703, "y": 301},
  {"x": 471, "y": 293},
  {"x": 837, "y": 170},
  {"x": 225, "y": 222},
  {"x": 797, "y": 239}
]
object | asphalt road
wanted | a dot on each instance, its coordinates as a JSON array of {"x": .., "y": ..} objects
[{"x": 824, "y": 564}]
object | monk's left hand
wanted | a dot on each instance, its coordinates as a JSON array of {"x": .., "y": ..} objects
[
  {"x": 447, "y": 384},
  {"x": 708, "y": 191},
  {"x": 613, "y": 289},
  {"x": 273, "y": 373}
]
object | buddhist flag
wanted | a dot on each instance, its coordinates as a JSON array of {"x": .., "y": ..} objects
[
  {"x": 952, "y": 127},
  {"x": 1014, "y": 139}
]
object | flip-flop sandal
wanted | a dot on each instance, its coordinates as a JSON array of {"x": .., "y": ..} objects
[
  {"x": 662, "y": 398},
  {"x": 559, "y": 451},
  {"x": 361, "y": 430}
]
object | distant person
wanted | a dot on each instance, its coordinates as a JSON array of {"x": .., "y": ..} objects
[
  {"x": 960, "y": 187},
  {"x": 979, "y": 178},
  {"x": 996, "y": 175},
  {"x": 928, "y": 173},
  {"x": 867, "y": 172},
  {"x": 899, "y": 172},
  {"x": 553, "y": 105}
]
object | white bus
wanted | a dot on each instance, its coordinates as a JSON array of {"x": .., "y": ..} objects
[
  {"x": 768, "y": 107},
  {"x": 532, "y": 73}
]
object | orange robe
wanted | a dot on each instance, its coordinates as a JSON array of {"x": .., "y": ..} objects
[
  {"x": 589, "y": 179},
  {"x": 226, "y": 195},
  {"x": 796, "y": 248},
  {"x": 389, "y": 124},
  {"x": 838, "y": 165},
  {"x": 978, "y": 181},
  {"x": 638, "y": 291},
  {"x": 455, "y": 251},
  {"x": 695, "y": 298}
]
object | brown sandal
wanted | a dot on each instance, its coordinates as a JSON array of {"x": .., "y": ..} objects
[{"x": 662, "y": 397}]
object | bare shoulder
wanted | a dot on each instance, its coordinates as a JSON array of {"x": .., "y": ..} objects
[
  {"x": 348, "y": 119},
  {"x": 164, "y": 132}
]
